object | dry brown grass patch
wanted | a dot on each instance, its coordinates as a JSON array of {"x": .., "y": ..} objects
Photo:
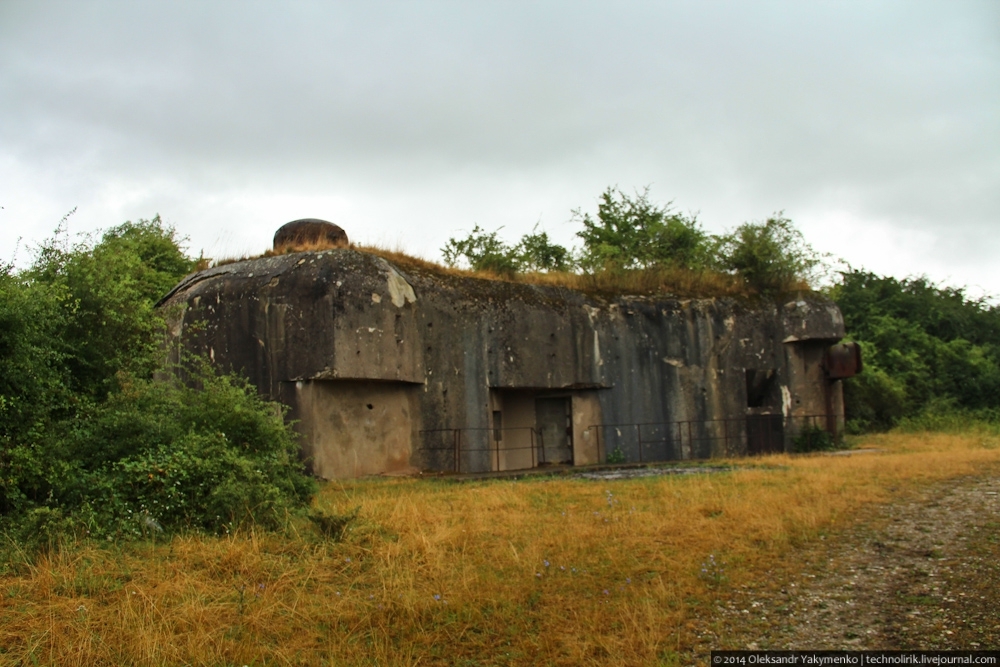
[
  {"x": 663, "y": 281},
  {"x": 558, "y": 571},
  {"x": 671, "y": 281}
]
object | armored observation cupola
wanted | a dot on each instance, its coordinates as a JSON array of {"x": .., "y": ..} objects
[{"x": 309, "y": 233}]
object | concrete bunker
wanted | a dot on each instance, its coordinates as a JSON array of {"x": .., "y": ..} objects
[{"x": 392, "y": 368}]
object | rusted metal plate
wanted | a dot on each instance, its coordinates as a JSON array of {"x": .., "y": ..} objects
[{"x": 842, "y": 361}]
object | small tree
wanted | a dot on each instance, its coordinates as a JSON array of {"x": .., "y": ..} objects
[
  {"x": 536, "y": 252},
  {"x": 770, "y": 256},
  {"x": 89, "y": 442},
  {"x": 485, "y": 251},
  {"x": 482, "y": 251},
  {"x": 634, "y": 233}
]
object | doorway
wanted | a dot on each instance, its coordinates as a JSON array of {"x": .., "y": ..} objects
[
  {"x": 554, "y": 424},
  {"x": 765, "y": 434}
]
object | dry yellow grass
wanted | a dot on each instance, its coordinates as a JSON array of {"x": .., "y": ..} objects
[
  {"x": 539, "y": 571},
  {"x": 671, "y": 281}
]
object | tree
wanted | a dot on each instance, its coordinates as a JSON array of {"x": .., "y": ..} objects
[
  {"x": 486, "y": 251},
  {"x": 89, "y": 441},
  {"x": 925, "y": 347},
  {"x": 634, "y": 233},
  {"x": 771, "y": 256},
  {"x": 482, "y": 251},
  {"x": 536, "y": 252},
  {"x": 33, "y": 378}
]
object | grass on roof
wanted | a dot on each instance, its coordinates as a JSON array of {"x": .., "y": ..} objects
[{"x": 659, "y": 281}]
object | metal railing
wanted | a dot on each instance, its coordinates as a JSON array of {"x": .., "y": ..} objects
[
  {"x": 467, "y": 446},
  {"x": 484, "y": 449},
  {"x": 749, "y": 435}
]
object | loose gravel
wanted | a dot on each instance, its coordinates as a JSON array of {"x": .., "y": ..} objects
[{"x": 919, "y": 573}]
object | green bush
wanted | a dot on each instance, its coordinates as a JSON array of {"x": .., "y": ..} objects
[
  {"x": 635, "y": 233},
  {"x": 163, "y": 453},
  {"x": 928, "y": 351},
  {"x": 943, "y": 415},
  {"x": 33, "y": 377},
  {"x": 108, "y": 290},
  {"x": 771, "y": 256},
  {"x": 813, "y": 439},
  {"x": 483, "y": 251},
  {"x": 92, "y": 445},
  {"x": 631, "y": 233},
  {"x": 486, "y": 251}
]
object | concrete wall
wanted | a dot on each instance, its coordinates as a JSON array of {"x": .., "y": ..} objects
[
  {"x": 461, "y": 348},
  {"x": 352, "y": 428}
]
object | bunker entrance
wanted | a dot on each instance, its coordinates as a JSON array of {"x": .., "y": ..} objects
[
  {"x": 765, "y": 434},
  {"x": 554, "y": 424},
  {"x": 537, "y": 427}
]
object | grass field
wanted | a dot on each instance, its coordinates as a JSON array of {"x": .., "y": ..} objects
[{"x": 537, "y": 571}]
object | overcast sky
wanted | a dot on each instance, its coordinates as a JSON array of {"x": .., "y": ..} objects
[{"x": 875, "y": 126}]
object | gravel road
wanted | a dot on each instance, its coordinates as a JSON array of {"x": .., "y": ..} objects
[{"x": 919, "y": 573}]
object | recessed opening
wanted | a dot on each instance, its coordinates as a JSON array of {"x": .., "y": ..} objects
[
  {"x": 370, "y": 406},
  {"x": 497, "y": 426},
  {"x": 759, "y": 384}
]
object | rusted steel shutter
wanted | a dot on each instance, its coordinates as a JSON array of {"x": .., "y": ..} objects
[{"x": 842, "y": 361}]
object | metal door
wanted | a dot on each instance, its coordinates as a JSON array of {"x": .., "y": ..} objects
[
  {"x": 765, "y": 434},
  {"x": 554, "y": 423}
]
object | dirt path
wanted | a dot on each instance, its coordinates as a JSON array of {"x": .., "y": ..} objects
[{"x": 921, "y": 573}]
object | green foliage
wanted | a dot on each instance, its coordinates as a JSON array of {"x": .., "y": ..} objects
[
  {"x": 874, "y": 399},
  {"x": 942, "y": 312},
  {"x": 634, "y": 233},
  {"x": 33, "y": 377},
  {"x": 483, "y": 251},
  {"x": 108, "y": 323},
  {"x": 813, "y": 439},
  {"x": 90, "y": 444},
  {"x": 163, "y": 454},
  {"x": 537, "y": 253},
  {"x": 925, "y": 348},
  {"x": 771, "y": 256},
  {"x": 942, "y": 415},
  {"x": 616, "y": 455},
  {"x": 631, "y": 234}
]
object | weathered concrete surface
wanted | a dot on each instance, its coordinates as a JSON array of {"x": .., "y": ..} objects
[
  {"x": 354, "y": 427},
  {"x": 459, "y": 347}
]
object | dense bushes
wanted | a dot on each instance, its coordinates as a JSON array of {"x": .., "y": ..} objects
[
  {"x": 90, "y": 444},
  {"x": 108, "y": 289},
  {"x": 486, "y": 251},
  {"x": 928, "y": 350},
  {"x": 771, "y": 256},
  {"x": 164, "y": 455}
]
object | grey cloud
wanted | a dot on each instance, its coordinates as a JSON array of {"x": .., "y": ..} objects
[{"x": 737, "y": 110}]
